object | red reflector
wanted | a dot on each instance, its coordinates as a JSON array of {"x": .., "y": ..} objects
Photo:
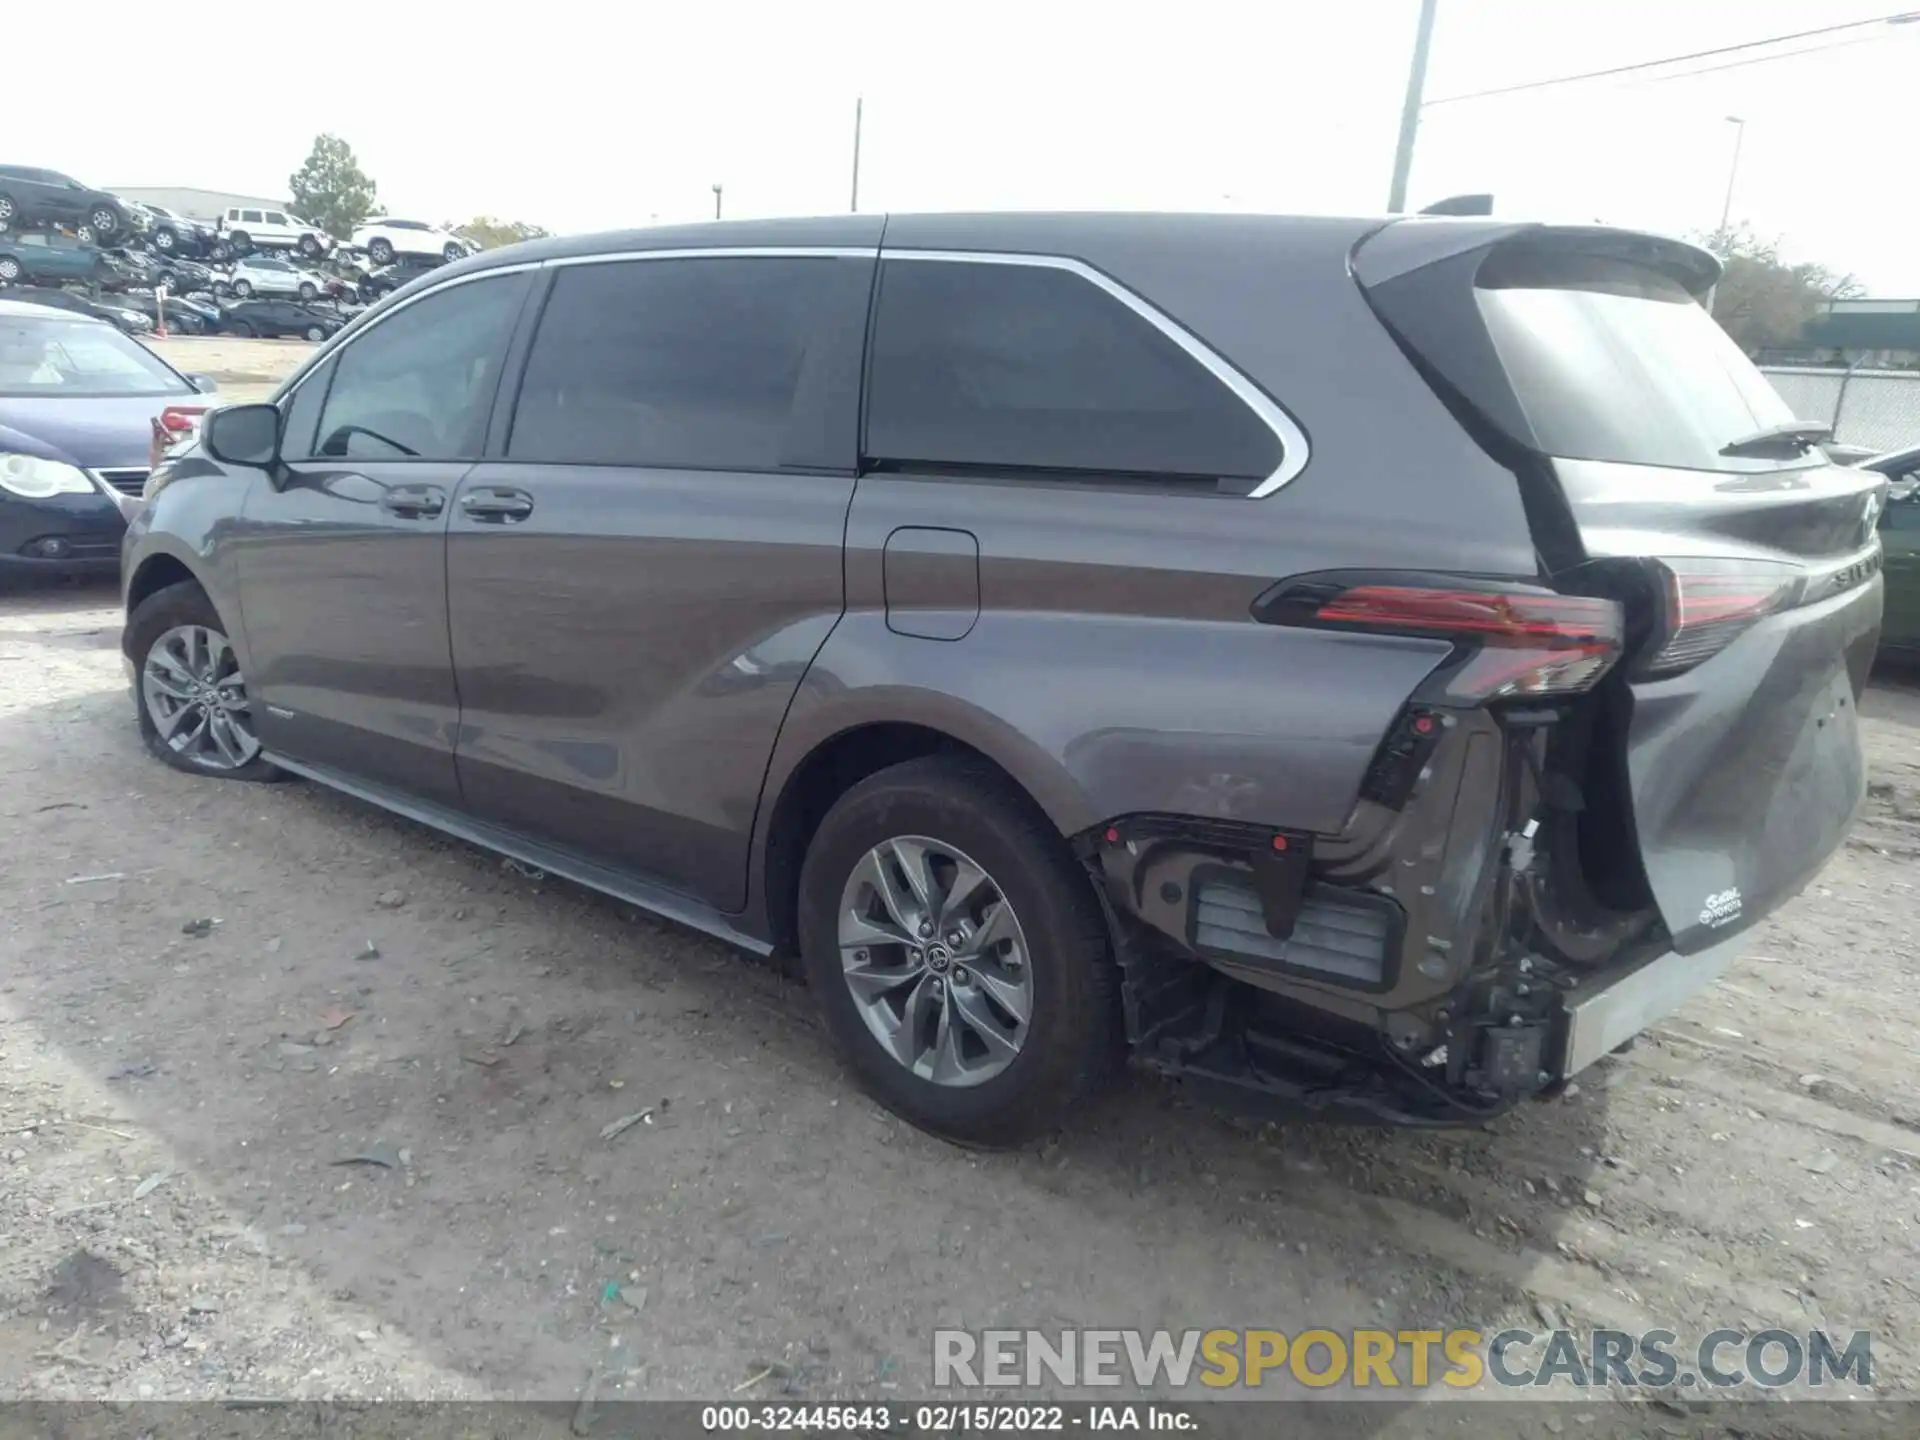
[
  {"x": 1279, "y": 842},
  {"x": 179, "y": 419},
  {"x": 1113, "y": 835},
  {"x": 1423, "y": 725}
]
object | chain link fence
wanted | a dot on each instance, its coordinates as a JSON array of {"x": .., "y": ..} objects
[{"x": 1877, "y": 409}]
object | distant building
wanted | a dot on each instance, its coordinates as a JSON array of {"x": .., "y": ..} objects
[
  {"x": 207, "y": 205},
  {"x": 1874, "y": 334}
]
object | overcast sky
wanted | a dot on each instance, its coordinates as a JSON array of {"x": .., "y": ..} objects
[{"x": 589, "y": 116}]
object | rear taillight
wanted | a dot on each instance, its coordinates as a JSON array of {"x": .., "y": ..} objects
[
  {"x": 1711, "y": 602},
  {"x": 1518, "y": 640}
]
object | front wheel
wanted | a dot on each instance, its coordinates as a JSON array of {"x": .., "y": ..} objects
[
  {"x": 452, "y": 253},
  {"x": 315, "y": 332},
  {"x": 192, "y": 700},
  {"x": 103, "y": 221},
  {"x": 9, "y": 269},
  {"x": 380, "y": 252},
  {"x": 240, "y": 242},
  {"x": 309, "y": 292},
  {"x": 243, "y": 288},
  {"x": 958, "y": 953},
  {"x": 240, "y": 329},
  {"x": 309, "y": 247},
  {"x": 164, "y": 241}
]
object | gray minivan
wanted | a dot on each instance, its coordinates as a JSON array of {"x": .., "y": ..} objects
[{"x": 1363, "y": 667}]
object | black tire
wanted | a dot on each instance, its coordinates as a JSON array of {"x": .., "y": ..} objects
[
  {"x": 221, "y": 251},
  {"x": 165, "y": 241},
  {"x": 9, "y": 269},
  {"x": 1074, "y": 1037},
  {"x": 452, "y": 253},
  {"x": 184, "y": 603},
  {"x": 316, "y": 332},
  {"x": 240, "y": 329},
  {"x": 8, "y": 210},
  {"x": 240, "y": 242},
  {"x": 103, "y": 221},
  {"x": 243, "y": 288},
  {"x": 380, "y": 251},
  {"x": 84, "y": 234},
  {"x": 309, "y": 292}
]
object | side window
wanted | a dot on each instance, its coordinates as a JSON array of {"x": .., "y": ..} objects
[
  {"x": 724, "y": 364},
  {"x": 250, "y": 217},
  {"x": 1903, "y": 513},
  {"x": 303, "y": 414},
  {"x": 417, "y": 385},
  {"x": 1033, "y": 368},
  {"x": 274, "y": 217}
]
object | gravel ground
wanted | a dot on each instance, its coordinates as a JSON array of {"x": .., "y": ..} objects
[{"x": 300, "y": 1100}]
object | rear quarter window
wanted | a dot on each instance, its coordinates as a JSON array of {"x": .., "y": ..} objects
[{"x": 1035, "y": 370}]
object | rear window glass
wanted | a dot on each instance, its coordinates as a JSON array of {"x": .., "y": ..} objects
[{"x": 1615, "y": 361}]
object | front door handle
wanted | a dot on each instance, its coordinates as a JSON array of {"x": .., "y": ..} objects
[
  {"x": 414, "y": 502},
  {"x": 496, "y": 504}
]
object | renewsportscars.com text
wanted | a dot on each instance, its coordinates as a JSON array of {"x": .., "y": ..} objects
[{"x": 1399, "y": 1359}]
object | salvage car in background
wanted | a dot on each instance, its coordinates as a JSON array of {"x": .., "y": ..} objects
[
  {"x": 385, "y": 239},
  {"x": 389, "y": 278},
  {"x": 122, "y": 317},
  {"x": 1900, "y": 552},
  {"x": 172, "y": 233},
  {"x": 264, "y": 275},
  {"x": 185, "y": 315},
  {"x": 280, "y": 319},
  {"x": 77, "y": 406},
  {"x": 30, "y": 195},
  {"x": 247, "y": 229},
  {"x": 48, "y": 259}
]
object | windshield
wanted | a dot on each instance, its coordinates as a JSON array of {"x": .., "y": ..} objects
[
  {"x": 62, "y": 356},
  {"x": 1615, "y": 361}
]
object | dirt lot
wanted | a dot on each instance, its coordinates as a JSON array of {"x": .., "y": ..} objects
[{"x": 300, "y": 1100}]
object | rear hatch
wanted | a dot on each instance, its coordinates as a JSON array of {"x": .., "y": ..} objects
[{"x": 1661, "y": 469}]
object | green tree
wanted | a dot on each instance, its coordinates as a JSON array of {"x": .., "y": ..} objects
[
  {"x": 331, "y": 189},
  {"x": 1762, "y": 300},
  {"x": 490, "y": 234}
]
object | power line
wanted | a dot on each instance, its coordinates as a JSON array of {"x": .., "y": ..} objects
[
  {"x": 1901, "y": 18},
  {"x": 1767, "y": 59}
]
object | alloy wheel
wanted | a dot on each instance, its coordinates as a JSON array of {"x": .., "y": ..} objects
[
  {"x": 190, "y": 684},
  {"x": 103, "y": 222},
  {"x": 936, "y": 961},
  {"x": 6, "y": 209}
]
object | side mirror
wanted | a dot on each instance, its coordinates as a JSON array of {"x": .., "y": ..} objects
[
  {"x": 1898, "y": 490},
  {"x": 205, "y": 384},
  {"x": 244, "y": 435}
]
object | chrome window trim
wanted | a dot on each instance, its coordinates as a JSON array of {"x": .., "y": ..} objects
[
  {"x": 1294, "y": 452},
  {"x": 1293, "y": 440}
]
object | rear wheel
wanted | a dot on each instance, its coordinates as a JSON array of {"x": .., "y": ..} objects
[
  {"x": 7, "y": 210},
  {"x": 164, "y": 241},
  {"x": 103, "y": 221},
  {"x": 240, "y": 328},
  {"x": 194, "y": 710},
  {"x": 380, "y": 251},
  {"x": 243, "y": 288},
  {"x": 452, "y": 253},
  {"x": 9, "y": 269},
  {"x": 316, "y": 332},
  {"x": 309, "y": 292},
  {"x": 241, "y": 242},
  {"x": 958, "y": 953}
]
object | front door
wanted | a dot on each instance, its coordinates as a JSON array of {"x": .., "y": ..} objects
[
  {"x": 639, "y": 584},
  {"x": 342, "y": 559}
]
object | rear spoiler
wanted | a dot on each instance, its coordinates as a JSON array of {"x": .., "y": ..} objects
[{"x": 1403, "y": 246}]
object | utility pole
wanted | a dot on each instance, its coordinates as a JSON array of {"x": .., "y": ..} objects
[
  {"x": 716, "y": 202},
  {"x": 1733, "y": 169},
  {"x": 854, "y": 203},
  {"x": 1410, "y": 109}
]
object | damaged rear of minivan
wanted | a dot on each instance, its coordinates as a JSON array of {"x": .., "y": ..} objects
[{"x": 1623, "y": 765}]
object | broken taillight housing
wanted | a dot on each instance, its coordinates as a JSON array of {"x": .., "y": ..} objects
[
  {"x": 1709, "y": 603},
  {"x": 1516, "y": 640}
]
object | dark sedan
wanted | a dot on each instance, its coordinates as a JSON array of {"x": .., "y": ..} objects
[
  {"x": 121, "y": 317},
  {"x": 277, "y": 319},
  {"x": 78, "y": 402}
]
